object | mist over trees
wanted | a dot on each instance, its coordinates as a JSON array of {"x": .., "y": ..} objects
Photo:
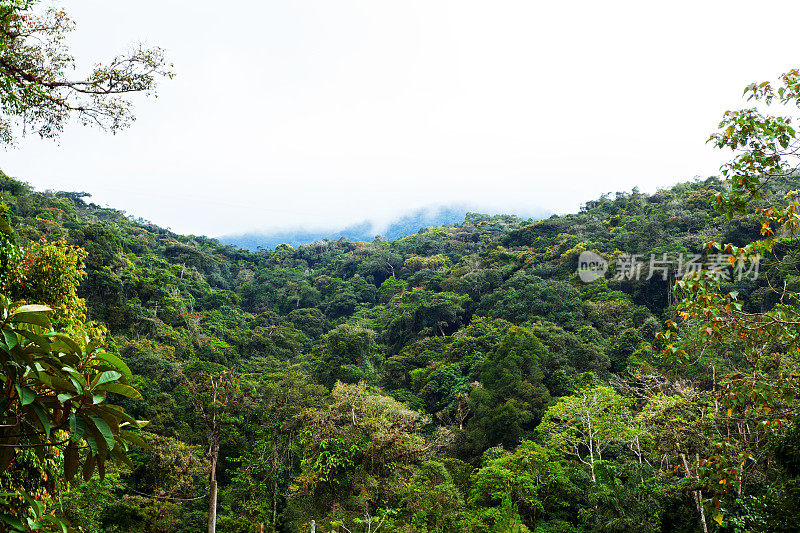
[{"x": 467, "y": 376}]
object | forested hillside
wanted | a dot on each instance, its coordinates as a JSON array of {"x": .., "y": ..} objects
[{"x": 462, "y": 378}]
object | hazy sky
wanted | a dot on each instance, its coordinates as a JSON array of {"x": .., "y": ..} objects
[{"x": 323, "y": 113}]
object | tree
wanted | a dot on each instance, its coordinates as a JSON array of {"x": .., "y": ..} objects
[
  {"x": 35, "y": 90},
  {"x": 677, "y": 429},
  {"x": 54, "y": 387},
  {"x": 759, "y": 347},
  {"x": 511, "y": 398},
  {"x": 530, "y": 486},
  {"x": 586, "y": 423},
  {"x": 260, "y": 485},
  {"x": 51, "y": 272},
  {"x": 524, "y": 297},
  {"x": 213, "y": 389},
  {"x": 347, "y": 353},
  {"x": 433, "y": 501},
  {"x": 53, "y": 399},
  {"x": 358, "y": 458}
]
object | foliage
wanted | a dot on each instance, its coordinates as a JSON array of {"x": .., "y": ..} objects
[
  {"x": 34, "y": 67},
  {"x": 460, "y": 378}
]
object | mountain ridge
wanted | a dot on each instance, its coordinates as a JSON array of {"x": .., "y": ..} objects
[{"x": 367, "y": 230}]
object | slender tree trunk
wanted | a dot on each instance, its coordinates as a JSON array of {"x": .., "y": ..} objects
[
  {"x": 698, "y": 496},
  {"x": 274, "y": 504},
  {"x": 591, "y": 444},
  {"x": 213, "y": 452},
  {"x": 212, "y": 494}
]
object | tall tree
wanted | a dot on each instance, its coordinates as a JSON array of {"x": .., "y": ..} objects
[
  {"x": 585, "y": 424},
  {"x": 213, "y": 390}
]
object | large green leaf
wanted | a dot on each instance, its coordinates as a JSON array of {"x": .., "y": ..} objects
[
  {"x": 106, "y": 377},
  {"x": 32, "y": 317},
  {"x": 31, "y": 308},
  {"x": 26, "y": 395},
  {"x": 64, "y": 344},
  {"x": 119, "y": 388},
  {"x": 37, "y": 339},
  {"x": 104, "y": 429},
  {"x": 77, "y": 427},
  {"x": 11, "y": 338},
  {"x": 44, "y": 420},
  {"x": 136, "y": 439},
  {"x": 118, "y": 363}
]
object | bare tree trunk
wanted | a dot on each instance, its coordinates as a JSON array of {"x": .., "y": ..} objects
[
  {"x": 591, "y": 444},
  {"x": 274, "y": 486},
  {"x": 698, "y": 496},
  {"x": 212, "y": 495},
  {"x": 213, "y": 452}
]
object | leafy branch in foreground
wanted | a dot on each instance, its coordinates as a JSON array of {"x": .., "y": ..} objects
[
  {"x": 54, "y": 396},
  {"x": 53, "y": 408},
  {"x": 36, "y": 90},
  {"x": 755, "y": 400}
]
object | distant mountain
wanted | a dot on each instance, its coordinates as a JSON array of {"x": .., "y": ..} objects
[{"x": 363, "y": 231}]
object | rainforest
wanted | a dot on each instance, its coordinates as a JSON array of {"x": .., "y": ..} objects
[
  {"x": 461, "y": 378},
  {"x": 632, "y": 366}
]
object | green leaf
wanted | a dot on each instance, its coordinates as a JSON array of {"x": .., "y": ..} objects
[
  {"x": 121, "y": 457},
  {"x": 118, "y": 413},
  {"x": 118, "y": 363},
  {"x": 77, "y": 427},
  {"x": 13, "y": 521},
  {"x": 26, "y": 395},
  {"x": 104, "y": 429},
  {"x": 36, "y": 318},
  {"x": 55, "y": 521},
  {"x": 119, "y": 388},
  {"x": 76, "y": 378},
  {"x": 32, "y": 308},
  {"x": 136, "y": 439},
  {"x": 35, "y": 506},
  {"x": 38, "y": 340},
  {"x": 11, "y": 339},
  {"x": 64, "y": 344},
  {"x": 43, "y": 419},
  {"x": 107, "y": 376}
]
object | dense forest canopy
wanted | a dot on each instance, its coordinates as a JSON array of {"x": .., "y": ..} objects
[
  {"x": 462, "y": 378},
  {"x": 630, "y": 367}
]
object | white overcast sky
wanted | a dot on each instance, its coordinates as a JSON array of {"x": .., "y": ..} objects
[{"x": 323, "y": 113}]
